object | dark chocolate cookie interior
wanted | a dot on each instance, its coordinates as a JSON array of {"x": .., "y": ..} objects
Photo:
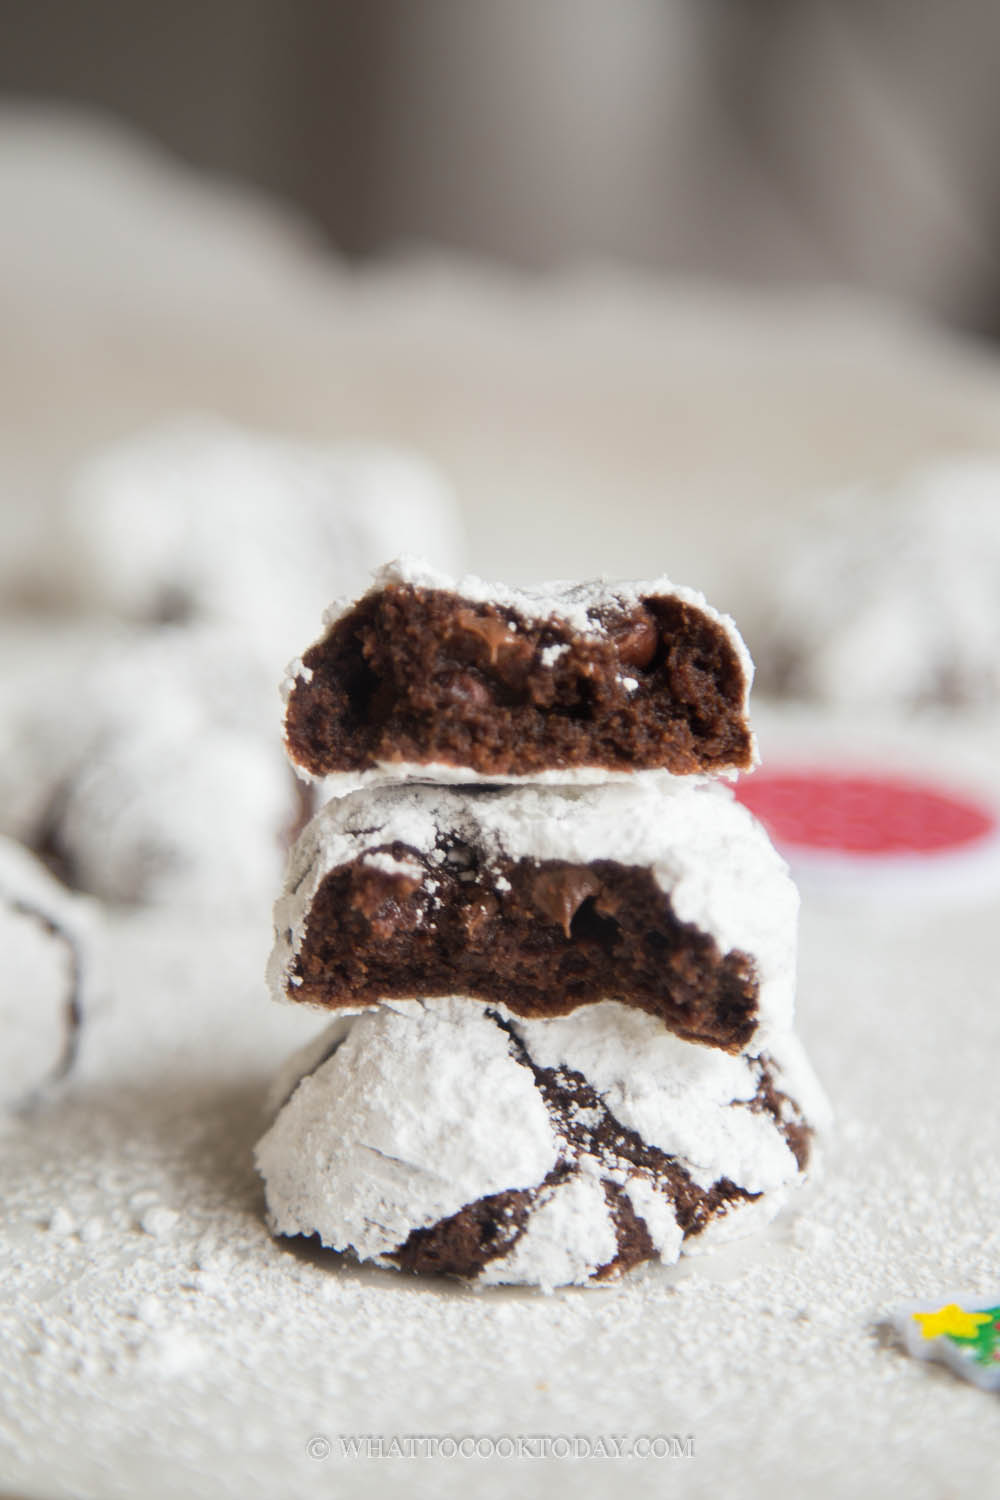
[
  {"x": 541, "y": 937},
  {"x": 422, "y": 675}
]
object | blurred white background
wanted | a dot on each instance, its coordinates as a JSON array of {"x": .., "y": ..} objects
[
  {"x": 777, "y": 140},
  {"x": 640, "y": 278}
]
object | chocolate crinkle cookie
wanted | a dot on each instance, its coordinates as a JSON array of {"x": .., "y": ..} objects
[
  {"x": 890, "y": 597},
  {"x": 454, "y": 1136},
  {"x": 151, "y": 771},
  {"x": 425, "y": 678},
  {"x": 668, "y": 898},
  {"x": 46, "y": 938},
  {"x": 563, "y": 984}
]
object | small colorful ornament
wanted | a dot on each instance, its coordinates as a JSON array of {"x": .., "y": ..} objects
[{"x": 963, "y": 1332}]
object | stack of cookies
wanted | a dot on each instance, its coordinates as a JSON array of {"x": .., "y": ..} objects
[{"x": 560, "y": 955}]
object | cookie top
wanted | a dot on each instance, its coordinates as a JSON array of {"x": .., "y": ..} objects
[
  {"x": 451, "y": 1136},
  {"x": 425, "y": 677},
  {"x": 669, "y": 896}
]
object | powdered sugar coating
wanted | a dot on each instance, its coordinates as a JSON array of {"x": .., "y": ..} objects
[
  {"x": 794, "y": 1077},
  {"x": 152, "y": 765},
  {"x": 149, "y": 820},
  {"x": 424, "y": 1107},
  {"x": 707, "y": 853},
  {"x": 575, "y": 606},
  {"x": 893, "y": 597},
  {"x": 44, "y": 934},
  {"x": 670, "y": 1092},
  {"x": 417, "y": 1113},
  {"x": 657, "y": 1213},
  {"x": 44, "y": 699},
  {"x": 570, "y": 1234},
  {"x": 440, "y": 773}
]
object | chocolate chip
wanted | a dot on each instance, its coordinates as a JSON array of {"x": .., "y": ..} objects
[
  {"x": 491, "y": 629},
  {"x": 636, "y": 640},
  {"x": 559, "y": 893}
]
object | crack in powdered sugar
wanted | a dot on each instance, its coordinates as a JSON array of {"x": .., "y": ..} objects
[{"x": 633, "y": 1200}]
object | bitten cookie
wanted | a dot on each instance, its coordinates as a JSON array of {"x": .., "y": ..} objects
[
  {"x": 44, "y": 937},
  {"x": 431, "y": 679},
  {"x": 668, "y": 897},
  {"x": 455, "y": 1137}
]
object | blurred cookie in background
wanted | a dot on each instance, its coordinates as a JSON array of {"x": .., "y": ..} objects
[
  {"x": 889, "y": 599},
  {"x": 198, "y": 520},
  {"x": 180, "y": 571},
  {"x": 145, "y": 768},
  {"x": 45, "y": 935}
]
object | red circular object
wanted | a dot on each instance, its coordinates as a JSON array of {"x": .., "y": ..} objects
[{"x": 857, "y": 814}]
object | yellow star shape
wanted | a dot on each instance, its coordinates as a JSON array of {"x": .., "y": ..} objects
[{"x": 951, "y": 1319}]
